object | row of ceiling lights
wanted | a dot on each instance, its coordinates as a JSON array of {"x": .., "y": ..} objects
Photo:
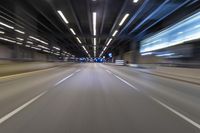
[
  {"x": 116, "y": 31},
  {"x": 20, "y": 40},
  {"x": 94, "y": 16},
  {"x": 71, "y": 29}
]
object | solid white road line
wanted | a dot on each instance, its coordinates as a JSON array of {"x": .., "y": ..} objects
[
  {"x": 161, "y": 103},
  {"x": 6, "y": 117},
  {"x": 132, "y": 86},
  {"x": 61, "y": 81},
  {"x": 177, "y": 113}
]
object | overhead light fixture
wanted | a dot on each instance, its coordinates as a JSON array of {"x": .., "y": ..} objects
[
  {"x": 95, "y": 41},
  {"x": 1, "y": 32},
  {"x": 27, "y": 46},
  {"x": 19, "y": 31},
  {"x": 36, "y": 48},
  {"x": 62, "y": 16},
  {"x": 56, "y": 48},
  {"x": 104, "y": 49},
  {"x": 124, "y": 19},
  {"x": 8, "y": 40},
  {"x": 72, "y": 31},
  {"x": 94, "y": 14},
  {"x": 109, "y": 41},
  {"x": 135, "y": 1},
  {"x": 34, "y": 38},
  {"x": 19, "y": 43},
  {"x": 29, "y": 42},
  {"x": 46, "y": 51},
  {"x": 84, "y": 48},
  {"x": 21, "y": 39},
  {"x": 78, "y": 40},
  {"x": 114, "y": 34},
  {"x": 43, "y": 47},
  {"x": 8, "y": 26}
]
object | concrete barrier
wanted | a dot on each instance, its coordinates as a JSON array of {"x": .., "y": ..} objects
[{"x": 10, "y": 68}]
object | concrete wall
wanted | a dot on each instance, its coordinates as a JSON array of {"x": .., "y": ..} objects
[{"x": 12, "y": 52}]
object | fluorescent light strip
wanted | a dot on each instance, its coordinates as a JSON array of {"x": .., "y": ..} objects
[
  {"x": 19, "y": 43},
  {"x": 38, "y": 40},
  {"x": 46, "y": 51},
  {"x": 21, "y": 39},
  {"x": 19, "y": 31},
  {"x": 78, "y": 40},
  {"x": 114, "y": 34},
  {"x": 43, "y": 47},
  {"x": 56, "y": 54},
  {"x": 72, "y": 31},
  {"x": 95, "y": 41},
  {"x": 62, "y": 16},
  {"x": 104, "y": 49},
  {"x": 8, "y": 40},
  {"x": 35, "y": 48},
  {"x": 29, "y": 42},
  {"x": 84, "y": 48},
  {"x": 135, "y": 1},
  {"x": 94, "y": 23},
  {"x": 8, "y": 26},
  {"x": 56, "y": 48},
  {"x": 1, "y": 32},
  {"x": 28, "y": 46},
  {"x": 109, "y": 41},
  {"x": 124, "y": 19}
]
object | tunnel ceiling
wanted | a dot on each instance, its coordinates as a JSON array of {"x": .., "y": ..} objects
[{"x": 41, "y": 19}]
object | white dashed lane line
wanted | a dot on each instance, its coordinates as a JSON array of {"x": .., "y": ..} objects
[
  {"x": 159, "y": 102},
  {"x": 9, "y": 115},
  {"x": 62, "y": 80}
]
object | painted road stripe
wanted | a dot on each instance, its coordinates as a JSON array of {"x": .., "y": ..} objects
[
  {"x": 62, "y": 80},
  {"x": 132, "y": 86},
  {"x": 6, "y": 117},
  {"x": 108, "y": 71},
  {"x": 177, "y": 113},
  {"x": 161, "y": 103}
]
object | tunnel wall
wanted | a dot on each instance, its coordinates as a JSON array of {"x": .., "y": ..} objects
[{"x": 18, "y": 53}]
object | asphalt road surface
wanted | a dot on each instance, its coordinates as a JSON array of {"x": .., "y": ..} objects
[{"x": 97, "y": 98}]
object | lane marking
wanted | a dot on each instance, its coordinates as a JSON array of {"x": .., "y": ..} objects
[
  {"x": 108, "y": 71},
  {"x": 177, "y": 113},
  {"x": 78, "y": 71},
  {"x": 161, "y": 103},
  {"x": 62, "y": 80},
  {"x": 124, "y": 81},
  {"x": 9, "y": 115}
]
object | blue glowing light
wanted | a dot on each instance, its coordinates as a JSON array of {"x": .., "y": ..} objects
[{"x": 184, "y": 31}]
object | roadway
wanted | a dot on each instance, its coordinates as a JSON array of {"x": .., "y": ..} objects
[{"x": 97, "y": 98}]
